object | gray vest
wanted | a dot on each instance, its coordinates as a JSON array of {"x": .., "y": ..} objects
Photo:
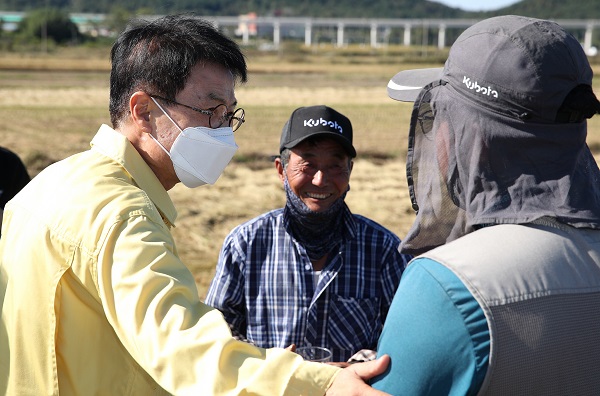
[{"x": 539, "y": 287}]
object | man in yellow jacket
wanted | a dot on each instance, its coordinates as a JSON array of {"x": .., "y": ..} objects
[{"x": 94, "y": 298}]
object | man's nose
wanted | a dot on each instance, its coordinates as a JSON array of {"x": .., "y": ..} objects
[{"x": 320, "y": 179}]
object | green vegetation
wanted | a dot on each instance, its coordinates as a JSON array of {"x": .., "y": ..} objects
[
  {"x": 556, "y": 9},
  {"x": 51, "y": 23}
]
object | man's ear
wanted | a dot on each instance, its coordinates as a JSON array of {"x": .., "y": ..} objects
[
  {"x": 140, "y": 105},
  {"x": 280, "y": 168}
]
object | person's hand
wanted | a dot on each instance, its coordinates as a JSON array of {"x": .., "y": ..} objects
[
  {"x": 351, "y": 380},
  {"x": 291, "y": 348}
]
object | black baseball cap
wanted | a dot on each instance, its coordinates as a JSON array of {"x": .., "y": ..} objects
[{"x": 311, "y": 121}]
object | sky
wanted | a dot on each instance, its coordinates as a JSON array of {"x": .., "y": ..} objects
[{"x": 477, "y": 5}]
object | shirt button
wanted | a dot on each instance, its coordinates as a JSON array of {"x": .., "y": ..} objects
[{"x": 308, "y": 267}]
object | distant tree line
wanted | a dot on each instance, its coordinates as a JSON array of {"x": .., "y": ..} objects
[
  {"x": 45, "y": 27},
  {"x": 313, "y": 8},
  {"x": 550, "y": 9}
]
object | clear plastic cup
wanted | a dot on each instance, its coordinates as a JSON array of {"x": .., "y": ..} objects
[{"x": 314, "y": 354}]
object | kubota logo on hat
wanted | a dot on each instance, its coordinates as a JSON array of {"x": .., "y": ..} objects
[
  {"x": 322, "y": 122},
  {"x": 478, "y": 88}
]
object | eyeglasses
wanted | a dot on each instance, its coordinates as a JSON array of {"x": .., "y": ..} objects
[{"x": 217, "y": 116}]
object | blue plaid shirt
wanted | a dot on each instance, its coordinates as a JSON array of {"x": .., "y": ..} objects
[{"x": 267, "y": 290}]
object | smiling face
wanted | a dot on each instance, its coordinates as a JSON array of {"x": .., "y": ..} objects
[{"x": 318, "y": 172}]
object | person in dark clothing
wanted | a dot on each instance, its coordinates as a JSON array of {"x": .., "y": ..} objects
[{"x": 13, "y": 177}]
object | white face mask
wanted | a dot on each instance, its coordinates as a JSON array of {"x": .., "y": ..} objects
[{"x": 200, "y": 154}]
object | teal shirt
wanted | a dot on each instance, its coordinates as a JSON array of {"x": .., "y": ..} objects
[{"x": 436, "y": 335}]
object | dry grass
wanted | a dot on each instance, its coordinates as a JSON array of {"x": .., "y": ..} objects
[{"x": 50, "y": 107}]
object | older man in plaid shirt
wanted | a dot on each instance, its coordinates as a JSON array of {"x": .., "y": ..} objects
[{"x": 312, "y": 273}]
